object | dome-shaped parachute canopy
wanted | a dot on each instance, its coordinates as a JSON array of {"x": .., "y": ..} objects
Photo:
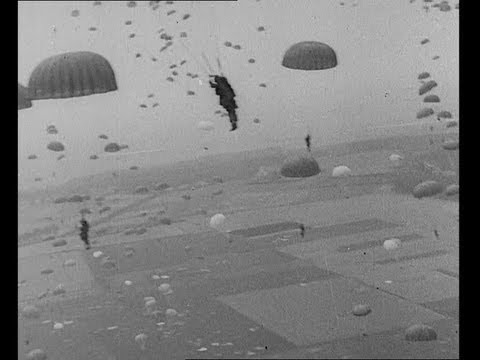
[
  {"x": 420, "y": 332},
  {"x": 423, "y": 75},
  {"x": 134, "y": 167},
  {"x": 309, "y": 55},
  {"x": 206, "y": 125},
  {"x": 36, "y": 354},
  {"x": 52, "y": 130},
  {"x": 395, "y": 157},
  {"x": 32, "y": 157},
  {"x": 429, "y": 85},
  {"x": 23, "y": 98},
  {"x": 452, "y": 189},
  {"x": 112, "y": 147},
  {"x": 450, "y": 145},
  {"x": 256, "y": 121},
  {"x": 55, "y": 146},
  {"x": 444, "y": 115},
  {"x": 431, "y": 99},
  {"x": 424, "y": 41},
  {"x": 217, "y": 221},
  {"x": 341, "y": 170},
  {"x": 427, "y": 189},
  {"x": 93, "y": 157},
  {"x": 70, "y": 75},
  {"x": 426, "y": 112},
  {"x": 300, "y": 167},
  {"x": 103, "y": 136},
  {"x": 452, "y": 124}
]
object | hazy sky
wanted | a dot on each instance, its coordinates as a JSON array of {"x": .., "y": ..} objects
[{"x": 375, "y": 83}]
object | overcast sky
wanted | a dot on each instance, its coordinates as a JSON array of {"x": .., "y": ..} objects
[{"x": 375, "y": 83}]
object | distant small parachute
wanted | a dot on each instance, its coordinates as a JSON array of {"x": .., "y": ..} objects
[
  {"x": 103, "y": 136},
  {"x": 55, "y": 146},
  {"x": 444, "y": 6},
  {"x": 452, "y": 124},
  {"x": 23, "y": 98},
  {"x": 131, "y": 36},
  {"x": 444, "y": 115},
  {"x": 206, "y": 125},
  {"x": 171, "y": 12},
  {"x": 429, "y": 85},
  {"x": 431, "y": 99},
  {"x": 424, "y": 41},
  {"x": 185, "y": 17},
  {"x": 131, "y": 4},
  {"x": 37, "y": 179},
  {"x": 170, "y": 79},
  {"x": 309, "y": 55},
  {"x": 93, "y": 28},
  {"x": 155, "y": 105},
  {"x": 154, "y": 59},
  {"x": 395, "y": 157},
  {"x": 427, "y": 189},
  {"x": 173, "y": 66},
  {"x": 32, "y": 157},
  {"x": 423, "y": 75},
  {"x": 150, "y": 95},
  {"x": 75, "y": 13},
  {"x": 300, "y": 167},
  {"x": 190, "y": 92},
  {"x": 341, "y": 171},
  {"x": 260, "y": 28},
  {"x": 138, "y": 55},
  {"x": 450, "y": 145},
  {"x": 217, "y": 221},
  {"x": 183, "y": 62},
  {"x": 452, "y": 189},
  {"x": 436, "y": 57},
  {"x": 237, "y": 47},
  {"x": 227, "y": 43},
  {"x": 256, "y": 121},
  {"x": 60, "y": 157},
  {"x": 112, "y": 147},
  {"x": 174, "y": 73},
  {"x": 263, "y": 85},
  {"x": 251, "y": 61},
  {"x": 70, "y": 75},
  {"x": 133, "y": 167},
  {"x": 143, "y": 106},
  {"x": 52, "y": 130},
  {"x": 128, "y": 22},
  {"x": 93, "y": 157},
  {"x": 425, "y": 112}
]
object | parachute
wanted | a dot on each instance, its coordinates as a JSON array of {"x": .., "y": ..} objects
[
  {"x": 52, "y": 130},
  {"x": 251, "y": 61},
  {"x": 452, "y": 124},
  {"x": 395, "y": 157},
  {"x": 55, "y": 146},
  {"x": 112, "y": 147},
  {"x": 260, "y": 28},
  {"x": 452, "y": 190},
  {"x": 133, "y": 167},
  {"x": 341, "y": 171},
  {"x": 301, "y": 166},
  {"x": 444, "y": 115},
  {"x": 309, "y": 55},
  {"x": 93, "y": 157},
  {"x": 206, "y": 125},
  {"x": 237, "y": 47},
  {"x": 75, "y": 13},
  {"x": 424, "y": 41},
  {"x": 423, "y": 75},
  {"x": 217, "y": 221},
  {"x": 227, "y": 44},
  {"x": 451, "y": 145},
  {"x": 263, "y": 85},
  {"x": 72, "y": 74},
  {"x": 429, "y": 85},
  {"x": 23, "y": 98},
  {"x": 256, "y": 121},
  {"x": 427, "y": 189},
  {"x": 131, "y": 4},
  {"x": 32, "y": 157},
  {"x": 431, "y": 99},
  {"x": 103, "y": 136},
  {"x": 425, "y": 113},
  {"x": 60, "y": 157}
]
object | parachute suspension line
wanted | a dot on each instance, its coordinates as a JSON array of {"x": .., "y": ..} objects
[
  {"x": 208, "y": 64},
  {"x": 217, "y": 31},
  {"x": 202, "y": 66}
]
